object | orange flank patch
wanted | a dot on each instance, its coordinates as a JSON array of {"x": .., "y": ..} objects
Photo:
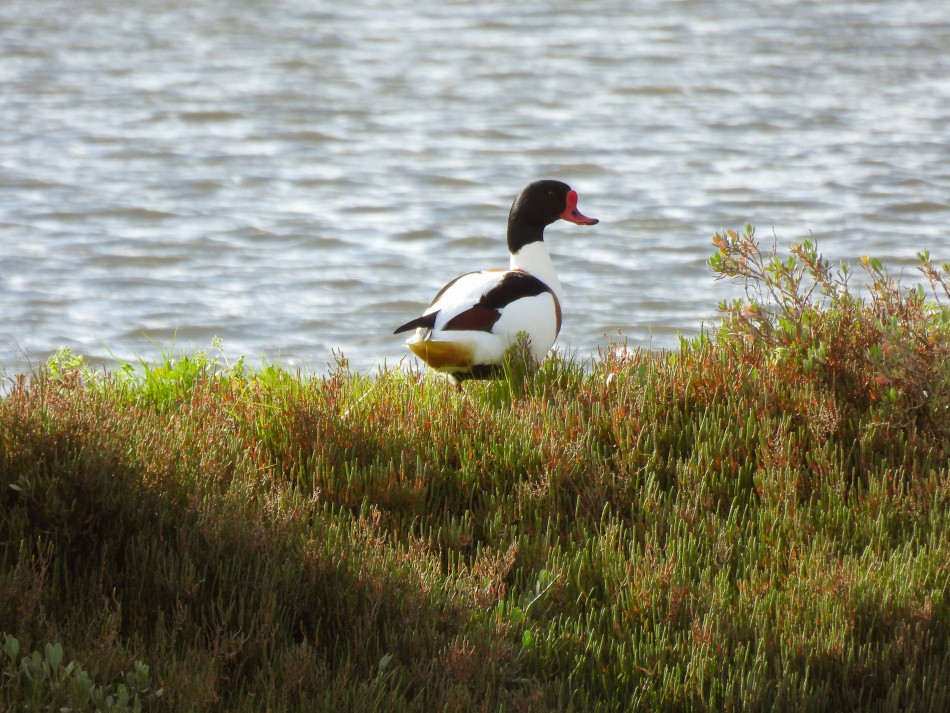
[{"x": 441, "y": 355}]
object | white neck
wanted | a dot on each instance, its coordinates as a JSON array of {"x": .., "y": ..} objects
[{"x": 533, "y": 258}]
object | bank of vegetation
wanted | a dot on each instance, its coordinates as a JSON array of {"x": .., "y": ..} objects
[{"x": 757, "y": 521}]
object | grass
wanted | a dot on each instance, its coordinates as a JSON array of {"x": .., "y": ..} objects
[{"x": 759, "y": 520}]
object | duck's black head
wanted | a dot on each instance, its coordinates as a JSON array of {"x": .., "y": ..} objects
[{"x": 537, "y": 206}]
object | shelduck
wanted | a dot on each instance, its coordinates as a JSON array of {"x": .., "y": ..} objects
[{"x": 475, "y": 318}]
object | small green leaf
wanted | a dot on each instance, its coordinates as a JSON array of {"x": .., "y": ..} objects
[
  {"x": 11, "y": 645},
  {"x": 54, "y": 654},
  {"x": 527, "y": 639}
]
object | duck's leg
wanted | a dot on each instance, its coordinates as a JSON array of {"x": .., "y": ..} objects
[{"x": 455, "y": 381}]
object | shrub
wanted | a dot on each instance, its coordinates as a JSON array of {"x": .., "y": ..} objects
[{"x": 889, "y": 345}]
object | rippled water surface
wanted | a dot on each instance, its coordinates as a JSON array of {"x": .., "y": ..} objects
[{"x": 297, "y": 177}]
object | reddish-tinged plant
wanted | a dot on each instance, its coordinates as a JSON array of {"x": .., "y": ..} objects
[{"x": 889, "y": 345}]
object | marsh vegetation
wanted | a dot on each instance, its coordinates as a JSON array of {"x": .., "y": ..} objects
[{"x": 759, "y": 520}]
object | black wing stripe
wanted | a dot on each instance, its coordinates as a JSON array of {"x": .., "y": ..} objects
[
  {"x": 514, "y": 286},
  {"x": 426, "y": 320}
]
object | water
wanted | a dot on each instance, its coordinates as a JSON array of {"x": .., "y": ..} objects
[{"x": 297, "y": 177}]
